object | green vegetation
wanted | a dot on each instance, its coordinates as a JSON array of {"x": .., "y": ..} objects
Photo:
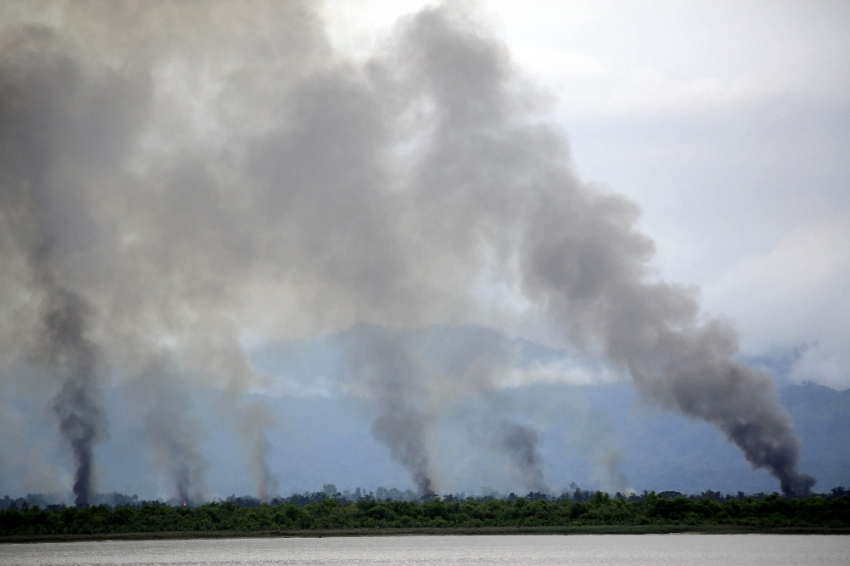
[{"x": 597, "y": 510}]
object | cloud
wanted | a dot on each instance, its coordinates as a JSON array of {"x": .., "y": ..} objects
[{"x": 795, "y": 290}]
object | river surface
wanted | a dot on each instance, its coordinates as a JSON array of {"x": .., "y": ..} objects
[{"x": 544, "y": 550}]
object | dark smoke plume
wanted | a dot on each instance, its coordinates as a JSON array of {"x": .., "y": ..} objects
[
  {"x": 703, "y": 381},
  {"x": 78, "y": 405},
  {"x": 580, "y": 256},
  {"x": 33, "y": 121}
]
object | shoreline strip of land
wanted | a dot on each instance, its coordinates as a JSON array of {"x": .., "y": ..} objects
[{"x": 426, "y": 531}]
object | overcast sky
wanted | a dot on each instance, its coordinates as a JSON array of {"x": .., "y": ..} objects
[{"x": 729, "y": 124}]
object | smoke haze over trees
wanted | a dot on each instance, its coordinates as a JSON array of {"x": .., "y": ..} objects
[{"x": 183, "y": 182}]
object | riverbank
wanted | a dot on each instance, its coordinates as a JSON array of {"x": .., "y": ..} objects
[{"x": 450, "y": 531}]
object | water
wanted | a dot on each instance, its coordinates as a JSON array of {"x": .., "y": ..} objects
[{"x": 547, "y": 550}]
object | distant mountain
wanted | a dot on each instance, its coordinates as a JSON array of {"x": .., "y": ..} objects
[{"x": 588, "y": 435}]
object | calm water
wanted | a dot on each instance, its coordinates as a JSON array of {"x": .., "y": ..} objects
[{"x": 740, "y": 550}]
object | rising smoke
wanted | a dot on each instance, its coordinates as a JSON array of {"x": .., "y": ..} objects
[
  {"x": 78, "y": 404},
  {"x": 184, "y": 177},
  {"x": 172, "y": 431},
  {"x": 33, "y": 123},
  {"x": 521, "y": 444},
  {"x": 385, "y": 367},
  {"x": 255, "y": 420}
]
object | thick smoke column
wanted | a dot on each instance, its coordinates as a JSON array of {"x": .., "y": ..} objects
[
  {"x": 592, "y": 274},
  {"x": 383, "y": 363},
  {"x": 78, "y": 404},
  {"x": 579, "y": 255},
  {"x": 704, "y": 382},
  {"x": 33, "y": 239}
]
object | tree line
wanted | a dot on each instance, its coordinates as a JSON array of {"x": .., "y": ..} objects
[{"x": 534, "y": 510}]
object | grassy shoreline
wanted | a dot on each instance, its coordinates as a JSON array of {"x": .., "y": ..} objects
[{"x": 429, "y": 531}]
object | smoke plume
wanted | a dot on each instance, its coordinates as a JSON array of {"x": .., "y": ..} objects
[
  {"x": 78, "y": 404},
  {"x": 33, "y": 114},
  {"x": 256, "y": 419},
  {"x": 521, "y": 443},
  {"x": 191, "y": 178},
  {"x": 384, "y": 365},
  {"x": 172, "y": 431}
]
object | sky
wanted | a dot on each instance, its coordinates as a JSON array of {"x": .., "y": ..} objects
[
  {"x": 727, "y": 122},
  {"x": 422, "y": 210}
]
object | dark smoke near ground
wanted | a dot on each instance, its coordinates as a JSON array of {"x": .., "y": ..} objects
[
  {"x": 180, "y": 180},
  {"x": 521, "y": 444},
  {"x": 78, "y": 404}
]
